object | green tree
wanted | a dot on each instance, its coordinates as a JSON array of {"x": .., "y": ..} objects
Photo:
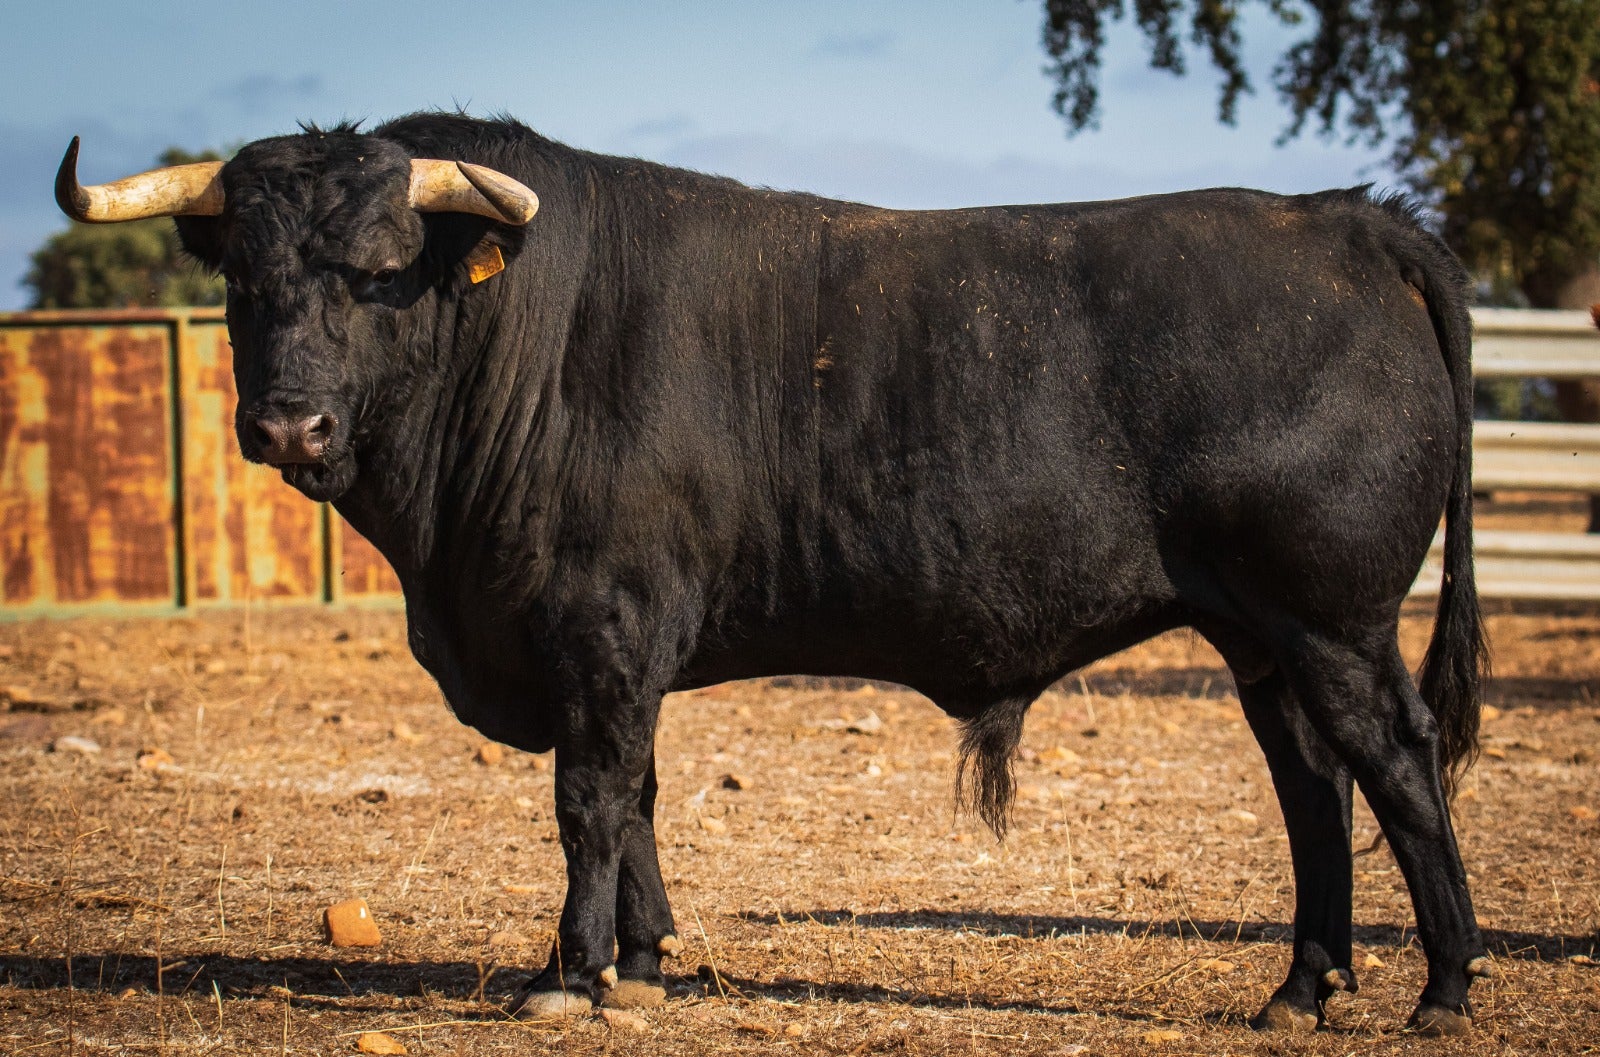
[
  {"x": 133, "y": 265},
  {"x": 1491, "y": 108}
]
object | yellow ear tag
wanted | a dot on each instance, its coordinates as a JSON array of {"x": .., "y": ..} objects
[{"x": 485, "y": 261}]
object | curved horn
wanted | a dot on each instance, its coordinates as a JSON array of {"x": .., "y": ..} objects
[
  {"x": 461, "y": 187},
  {"x": 177, "y": 190}
]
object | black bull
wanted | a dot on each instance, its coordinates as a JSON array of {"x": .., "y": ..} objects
[{"x": 696, "y": 432}]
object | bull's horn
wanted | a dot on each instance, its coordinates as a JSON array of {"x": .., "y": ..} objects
[
  {"x": 177, "y": 190},
  {"x": 461, "y": 187}
]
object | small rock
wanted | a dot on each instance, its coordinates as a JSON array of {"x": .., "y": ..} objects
[
  {"x": 713, "y": 825},
  {"x": 1582, "y": 959},
  {"x": 1495, "y": 752},
  {"x": 539, "y": 763},
  {"x": 1581, "y": 812},
  {"x": 1220, "y": 966},
  {"x": 522, "y": 890},
  {"x": 350, "y": 924},
  {"x": 868, "y": 724},
  {"x": 403, "y": 732},
  {"x": 155, "y": 759},
  {"x": 111, "y": 717},
  {"x": 795, "y": 1031},
  {"x": 1488, "y": 713},
  {"x": 127, "y": 993},
  {"x": 757, "y": 1027},
  {"x": 735, "y": 781},
  {"x": 508, "y": 939},
  {"x": 491, "y": 754},
  {"x": 25, "y": 699},
  {"x": 73, "y": 743},
  {"x": 1372, "y": 961},
  {"x": 217, "y": 667},
  {"x": 378, "y": 1042},
  {"x": 621, "y": 1020},
  {"x": 1162, "y": 1036},
  {"x": 1244, "y": 818}
]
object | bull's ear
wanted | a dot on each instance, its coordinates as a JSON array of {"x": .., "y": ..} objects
[
  {"x": 201, "y": 238},
  {"x": 455, "y": 240}
]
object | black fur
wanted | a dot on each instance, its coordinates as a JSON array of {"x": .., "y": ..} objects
[{"x": 699, "y": 432}]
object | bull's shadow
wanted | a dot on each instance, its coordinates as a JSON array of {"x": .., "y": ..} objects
[
  {"x": 310, "y": 981},
  {"x": 1502, "y": 943},
  {"x": 351, "y": 982}
]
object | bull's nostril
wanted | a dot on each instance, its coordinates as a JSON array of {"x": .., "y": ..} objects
[
  {"x": 267, "y": 434},
  {"x": 319, "y": 429}
]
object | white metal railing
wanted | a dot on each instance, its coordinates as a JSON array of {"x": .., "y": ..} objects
[{"x": 1559, "y": 566}]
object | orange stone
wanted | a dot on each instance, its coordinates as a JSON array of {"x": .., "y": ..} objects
[{"x": 350, "y": 924}]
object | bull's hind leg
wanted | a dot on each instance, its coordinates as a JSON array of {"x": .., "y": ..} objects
[
  {"x": 644, "y": 917},
  {"x": 1314, "y": 791},
  {"x": 1360, "y": 698}
]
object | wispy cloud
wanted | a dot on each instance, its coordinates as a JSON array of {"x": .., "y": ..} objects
[
  {"x": 854, "y": 45},
  {"x": 670, "y": 125},
  {"x": 261, "y": 92}
]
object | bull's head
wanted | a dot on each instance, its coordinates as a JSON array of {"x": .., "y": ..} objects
[{"x": 323, "y": 245}]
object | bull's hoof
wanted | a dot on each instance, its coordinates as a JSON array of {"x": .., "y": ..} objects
[
  {"x": 634, "y": 994},
  {"x": 1439, "y": 1021},
  {"x": 1280, "y": 1016},
  {"x": 550, "y": 1005}
]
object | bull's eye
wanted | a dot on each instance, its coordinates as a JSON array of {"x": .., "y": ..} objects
[
  {"x": 230, "y": 280},
  {"x": 384, "y": 277}
]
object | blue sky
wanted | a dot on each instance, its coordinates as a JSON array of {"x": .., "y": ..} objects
[{"x": 908, "y": 103}]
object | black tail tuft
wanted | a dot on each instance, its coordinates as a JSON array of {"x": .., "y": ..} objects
[{"x": 988, "y": 745}]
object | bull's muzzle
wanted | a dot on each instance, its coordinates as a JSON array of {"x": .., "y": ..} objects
[{"x": 283, "y": 439}]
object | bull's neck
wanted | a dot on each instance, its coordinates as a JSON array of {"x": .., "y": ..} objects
[{"x": 549, "y": 368}]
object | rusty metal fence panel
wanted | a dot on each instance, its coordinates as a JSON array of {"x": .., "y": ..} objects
[{"x": 121, "y": 485}]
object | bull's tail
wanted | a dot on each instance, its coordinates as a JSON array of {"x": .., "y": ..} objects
[
  {"x": 988, "y": 745},
  {"x": 1457, "y": 659}
]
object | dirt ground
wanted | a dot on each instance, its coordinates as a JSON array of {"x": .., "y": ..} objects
[{"x": 170, "y": 901}]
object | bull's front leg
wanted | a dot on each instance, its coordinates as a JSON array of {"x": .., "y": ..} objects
[
  {"x": 645, "y": 932},
  {"x": 603, "y": 768}
]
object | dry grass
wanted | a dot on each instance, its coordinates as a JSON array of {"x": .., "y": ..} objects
[{"x": 1145, "y": 887}]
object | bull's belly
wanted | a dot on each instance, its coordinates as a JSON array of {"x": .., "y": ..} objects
[{"x": 961, "y": 668}]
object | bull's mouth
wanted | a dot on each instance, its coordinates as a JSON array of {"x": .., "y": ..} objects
[{"x": 321, "y": 481}]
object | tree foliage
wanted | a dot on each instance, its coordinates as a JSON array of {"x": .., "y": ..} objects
[
  {"x": 138, "y": 264},
  {"x": 1491, "y": 107}
]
